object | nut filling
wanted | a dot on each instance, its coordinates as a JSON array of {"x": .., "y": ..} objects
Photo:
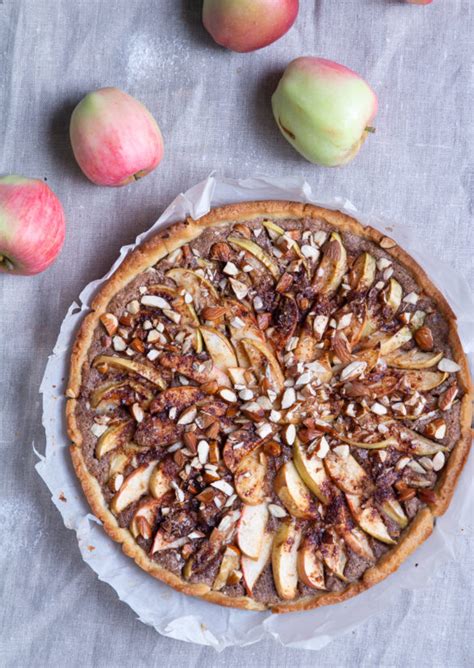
[{"x": 269, "y": 407}]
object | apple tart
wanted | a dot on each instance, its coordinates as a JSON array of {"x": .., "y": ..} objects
[{"x": 269, "y": 406}]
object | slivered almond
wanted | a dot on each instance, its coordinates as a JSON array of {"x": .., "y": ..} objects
[
  {"x": 138, "y": 345},
  {"x": 210, "y": 387},
  {"x": 285, "y": 283}
]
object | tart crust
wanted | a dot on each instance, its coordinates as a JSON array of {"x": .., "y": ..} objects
[{"x": 147, "y": 255}]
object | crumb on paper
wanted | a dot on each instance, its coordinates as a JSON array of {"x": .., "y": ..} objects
[
  {"x": 62, "y": 497},
  {"x": 91, "y": 548}
]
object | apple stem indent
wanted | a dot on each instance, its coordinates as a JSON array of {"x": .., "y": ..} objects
[{"x": 6, "y": 263}]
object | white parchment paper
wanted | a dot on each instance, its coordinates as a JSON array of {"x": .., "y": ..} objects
[{"x": 192, "y": 620}]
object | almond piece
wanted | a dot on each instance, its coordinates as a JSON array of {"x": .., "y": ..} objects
[
  {"x": 436, "y": 429},
  {"x": 110, "y": 323},
  {"x": 242, "y": 229},
  {"x": 138, "y": 345},
  {"x": 446, "y": 399},
  {"x": 386, "y": 242},
  {"x": 221, "y": 251},
  {"x": 213, "y": 312},
  {"x": 449, "y": 366},
  {"x": 424, "y": 338},
  {"x": 285, "y": 282}
]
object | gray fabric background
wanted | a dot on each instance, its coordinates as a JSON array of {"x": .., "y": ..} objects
[{"x": 213, "y": 108}]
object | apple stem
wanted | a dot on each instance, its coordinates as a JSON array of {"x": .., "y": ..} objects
[
  {"x": 370, "y": 128},
  {"x": 6, "y": 263}
]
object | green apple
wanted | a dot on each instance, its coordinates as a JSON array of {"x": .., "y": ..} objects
[{"x": 325, "y": 110}]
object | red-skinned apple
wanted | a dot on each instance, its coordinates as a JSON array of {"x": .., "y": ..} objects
[
  {"x": 324, "y": 110},
  {"x": 32, "y": 225},
  {"x": 114, "y": 137},
  {"x": 248, "y": 25}
]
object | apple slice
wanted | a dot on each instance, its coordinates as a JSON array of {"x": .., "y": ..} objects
[
  {"x": 368, "y": 518},
  {"x": 239, "y": 445},
  {"x": 160, "y": 481},
  {"x": 201, "y": 290},
  {"x": 276, "y": 231},
  {"x": 310, "y": 567},
  {"x": 124, "y": 364},
  {"x": 419, "y": 445},
  {"x": 256, "y": 350},
  {"x": 162, "y": 542},
  {"x": 133, "y": 487},
  {"x": 362, "y": 273},
  {"x": 312, "y": 472},
  {"x": 392, "y": 295},
  {"x": 118, "y": 463},
  {"x": 219, "y": 348},
  {"x": 251, "y": 529},
  {"x": 348, "y": 474},
  {"x": 111, "y": 438},
  {"x": 179, "y": 397},
  {"x": 333, "y": 553},
  {"x": 376, "y": 445},
  {"x": 144, "y": 519},
  {"x": 397, "y": 340},
  {"x": 332, "y": 267},
  {"x": 258, "y": 252},
  {"x": 358, "y": 543},
  {"x": 293, "y": 493},
  {"x": 412, "y": 359},
  {"x": 253, "y": 568},
  {"x": 250, "y": 478},
  {"x": 192, "y": 367},
  {"x": 285, "y": 559},
  {"x": 394, "y": 510},
  {"x": 423, "y": 381},
  {"x": 306, "y": 349},
  {"x": 230, "y": 562},
  {"x": 109, "y": 395}
]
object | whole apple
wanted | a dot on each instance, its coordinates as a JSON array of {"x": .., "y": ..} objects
[
  {"x": 32, "y": 225},
  {"x": 114, "y": 137},
  {"x": 324, "y": 110},
  {"x": 248, "y": 25}
]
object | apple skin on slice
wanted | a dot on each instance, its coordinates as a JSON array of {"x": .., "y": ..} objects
[
  {"x": 219, "y": 348},
  {"x": 412, "y": 359},
  {"x": 109, "y": 395},
  {"x": 253, "y": 568},
  {"x": 293, "y": 493},
  {"x": 348, "y": 474},
  {"x": 362, "y": 273},
  {"x": 332, "y": 267},
  {"x": 144, "y": 519},
  {"x": 250, "y": 478},
  {"x": 190, "y": 366},
  {"x": 112, "y": 438},
  {"x": 230, "y": 562},
  {"x": 312, "y": 472},
  {"x": 258, "y": 252},
  {"x": 310, "y": 567},
  {"x": 333, "y": 553},
  {"x": 251, "y": 529},
  {"x": 133, "y": 487},
  {"x": 256, "y": 350},
  {"x": 394, "y": 510},
  {"x": 285, "y": 559},
  {"x": 123, "y": 364},
  {"x": 368, "y": 518},
  {"x": 160, "y": 481}
]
